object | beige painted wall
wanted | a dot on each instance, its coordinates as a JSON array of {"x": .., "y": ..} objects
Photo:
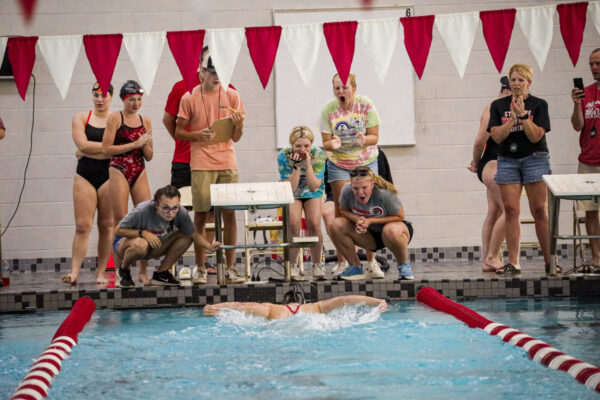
[{"x": 445, "y": 202}]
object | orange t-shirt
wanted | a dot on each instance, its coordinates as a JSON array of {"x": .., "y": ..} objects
[{"x": 202, "y": 109}]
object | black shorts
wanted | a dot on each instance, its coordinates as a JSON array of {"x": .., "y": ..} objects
[
  {"x": 180, "y": 175},
  {"x": 379, "y": 241}
]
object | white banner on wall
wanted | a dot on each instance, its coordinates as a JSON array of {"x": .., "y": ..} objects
[
  {"x": 301, "y": 105},
  {"x": 303, "y": 42},
  {"x": 145, "y": 49},
  {"x": 224, "y": 47},
  {"x": 458, "y": 32},
  {"x": 537, "y": 26},
  {"x": 594, "y": 13},
  {"x": 380, "y": 37},
  {"x": 60, "y": 54},
  {"x": 3, "y": 41}
]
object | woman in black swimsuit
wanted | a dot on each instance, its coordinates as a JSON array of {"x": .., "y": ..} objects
[
  {"x": 90, "y": 186},
  {"x": 485, "y": 154}
]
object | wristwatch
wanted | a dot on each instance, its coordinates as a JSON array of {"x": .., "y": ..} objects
[
  {"x": 140, "y": 233},
  {"x": 523, "y": 117}
]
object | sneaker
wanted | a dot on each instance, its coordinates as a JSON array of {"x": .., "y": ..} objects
[
  {"x": 352, "y": 273},
  {"x": 319, "y": 272},
  {"x": 405, "y": 272},
  {"x": 373, "y": 270},
  {"x": 185, "y": 273},
  {"x": 200, "y": 277},
  {"x": 508, "y": 268},
  {"x": 296, "y": 274},
  {"x": 339, "y": 268},
  {"x": 232, "y": 276},
  {"x": 164, "y": 278},
  {"x": 123, "y": 277}
]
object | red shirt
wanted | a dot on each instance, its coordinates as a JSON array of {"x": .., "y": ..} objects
[
  {"x": 182, "y": 147},
  {"x": 590, "y": 107}
]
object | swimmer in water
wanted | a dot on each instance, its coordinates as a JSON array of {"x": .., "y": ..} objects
[{"x": 293, "y": 304}]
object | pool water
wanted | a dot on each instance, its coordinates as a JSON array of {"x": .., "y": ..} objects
[{"x": 354, "y": 353}]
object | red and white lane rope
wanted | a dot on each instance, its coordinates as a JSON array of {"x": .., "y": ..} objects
[
  {"x": 537, "y": 350},
  {"x": 36, "y": 383}
]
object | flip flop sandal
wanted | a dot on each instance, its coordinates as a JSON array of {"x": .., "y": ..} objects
[{"x": 559, "y": 269}]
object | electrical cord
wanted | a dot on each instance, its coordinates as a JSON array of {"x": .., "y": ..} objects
[
  {"x": 256, "y": 275},
  {"x": 28, "y": 160}
]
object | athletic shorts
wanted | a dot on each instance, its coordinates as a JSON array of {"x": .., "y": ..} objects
[
  {"x": 180, "y": 175},
  {"x": 201, "y": 181},
  {"x": 528, "y": 169},
  {"x": 379, "y": 241},
  {"x": 587, "y": 205}
]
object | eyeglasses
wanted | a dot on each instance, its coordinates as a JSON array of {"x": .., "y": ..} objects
[
  {"x": 167, "y": 209},
  {"x": 359, "y": 172}
]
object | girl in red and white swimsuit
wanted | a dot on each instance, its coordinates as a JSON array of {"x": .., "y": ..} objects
[{"x": 128, "y": 140}]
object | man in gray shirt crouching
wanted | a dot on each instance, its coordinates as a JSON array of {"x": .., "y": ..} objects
[{"x": 155, "y": 228}]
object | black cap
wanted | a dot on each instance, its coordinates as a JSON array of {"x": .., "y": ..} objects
[
  {"x": 504, "y": 82},
  {"x": 130, "y": 87},
  {"x": 208, "y": 65}
]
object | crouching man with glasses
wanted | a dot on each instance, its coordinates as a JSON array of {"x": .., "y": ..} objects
[{"x": 153, "y": 229}]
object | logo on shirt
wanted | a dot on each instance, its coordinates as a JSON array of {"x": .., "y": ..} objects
[
  {"x": 375, "y": 211},
  {"x": 592, "y": 110}
]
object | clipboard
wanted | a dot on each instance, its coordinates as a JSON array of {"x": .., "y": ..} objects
[{"x": 223, "y": 129}]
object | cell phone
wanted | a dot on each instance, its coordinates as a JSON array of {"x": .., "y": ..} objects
[{"x": 578, "y": 83}]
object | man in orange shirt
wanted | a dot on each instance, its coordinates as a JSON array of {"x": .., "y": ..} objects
[{"x": 211, "y": 163}]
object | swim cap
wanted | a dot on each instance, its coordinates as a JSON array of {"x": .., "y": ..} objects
[
  {"x": 130, "y": 88},
  {"x": 96, "y": 88},
  {"x": 504, "y": 82}
]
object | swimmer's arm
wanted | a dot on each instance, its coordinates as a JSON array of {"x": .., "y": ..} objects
[
  {"x": 148, "y": 149},
  {"x": 260, "y": 309},
  {"x": 481, "y": 138},
  {"x": 327, "y": 306},
  {"x": 85, "y": 147},
  {"x": 108, "y": 139}
]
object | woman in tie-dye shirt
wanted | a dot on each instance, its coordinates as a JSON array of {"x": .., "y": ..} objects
[
  {"x": 303, "y": 165},
  {"x": 350, "y": 130}
]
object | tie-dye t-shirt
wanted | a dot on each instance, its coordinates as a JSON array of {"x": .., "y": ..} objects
[
  {"x": 347, "y": 124},
  {"x": 317, "y": 160}
]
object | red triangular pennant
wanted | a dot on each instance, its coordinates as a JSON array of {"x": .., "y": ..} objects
[
  {"x": 186, "y": 47},
  {"x": 497, "y": 30},
  {"x": 262, "y": 43},
  {"x": 21, "y": 54},
  {"x": 340, "y": 37},
  {"x": 111, "y": 263},
  {"x": 102, "y": 52},
  {"x": 572, "y": 23},
  {"x": 27, "y": 6},
  {"x": 418, "y": 33}
]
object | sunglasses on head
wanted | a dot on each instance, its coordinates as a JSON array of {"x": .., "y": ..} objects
[
  {"x": 359, "y": 172},
  {"x": 134, "y": 91}
]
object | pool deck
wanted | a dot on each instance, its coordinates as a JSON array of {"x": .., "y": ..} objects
[{"x": 457, "y": 279}]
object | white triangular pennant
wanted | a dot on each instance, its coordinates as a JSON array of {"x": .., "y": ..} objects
[
  {"x": 594, "y": 12},
  {"x": 380, "y": 36},
  {"x": 224, "y": 48},
  {"x": 145, "y": 49},
  {"x": 303, "y": 42},
  {"x": 537, "y": 25},
  {"x": 60, "y": 54},
  {"x": 3, "y": 41},
  {"x": 458, "y": 31}
]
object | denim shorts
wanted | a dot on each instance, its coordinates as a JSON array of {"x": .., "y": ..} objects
[
  {"x": 335, "y": 173},
  {"x": 116, "y": 242},
  {"x": 528, "y": 169}
]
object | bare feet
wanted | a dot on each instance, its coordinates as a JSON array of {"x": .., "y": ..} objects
[
  {"x": 491, "y": 265},
  {"x": 101, "y": 277},
  {"x": 143, "y": 278},
  {"x": 70, "y": 279}
]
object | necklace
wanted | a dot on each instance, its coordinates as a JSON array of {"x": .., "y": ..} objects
[
  {"x": 204, "y": 107},
  {"x": 593, "y": 130}
]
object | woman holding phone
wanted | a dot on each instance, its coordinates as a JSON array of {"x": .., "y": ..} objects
[{"x": 303, "y": 165}]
